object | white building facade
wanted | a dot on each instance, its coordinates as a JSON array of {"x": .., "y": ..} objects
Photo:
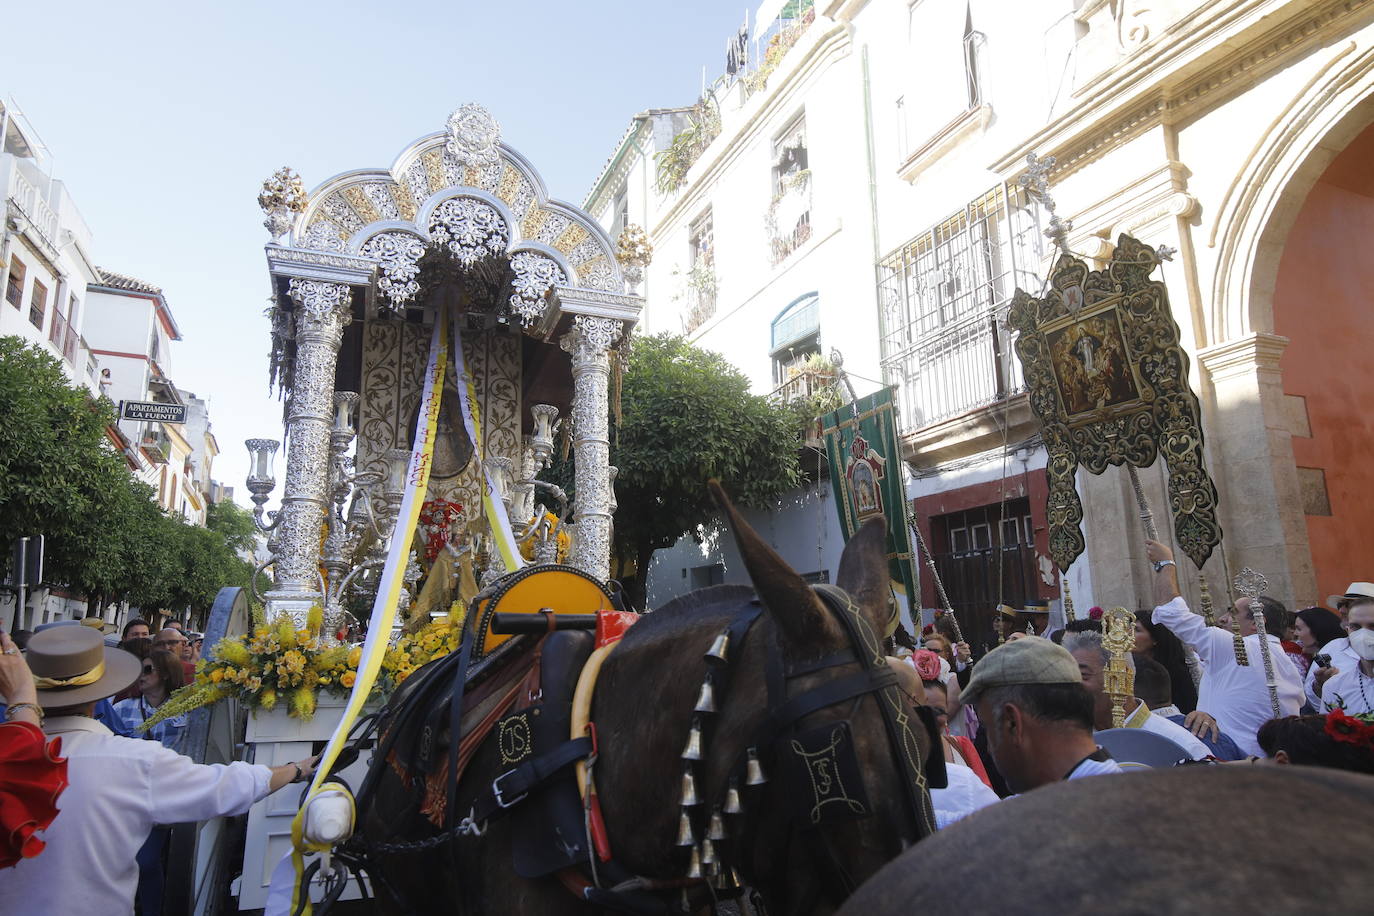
[
  {"x": 45, "y": 261},
  {"x": 855, "y": 186}
]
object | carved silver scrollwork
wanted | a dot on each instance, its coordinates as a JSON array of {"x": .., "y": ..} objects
[
  {"x": 535, "y": 276},
  {"x": 400, "y": 254},
  {"x": 474, "y": 137},
  {"x": 472, "y": 230},
  {"x": 589, "y": 343},
  {"x": 323, "y": 310}
]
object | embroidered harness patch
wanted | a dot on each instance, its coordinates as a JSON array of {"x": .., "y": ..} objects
[
  {"x": 515, "y": 739},
  {"x": 825, "y": 775}
]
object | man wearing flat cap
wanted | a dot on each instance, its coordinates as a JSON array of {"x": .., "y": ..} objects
[
  {"x": 1036, "y": 713},
  {"x": 119, "y": 787}
]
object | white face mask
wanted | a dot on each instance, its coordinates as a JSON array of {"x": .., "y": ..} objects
[{"x": 1362, "y": 641}]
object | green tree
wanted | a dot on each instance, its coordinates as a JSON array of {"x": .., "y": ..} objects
[
  {"x": 56, "y": 469},
  {"x": 106, "y": 536},
  {"x": 687, "y": 416},
  {"x": 235, "y": 524}
]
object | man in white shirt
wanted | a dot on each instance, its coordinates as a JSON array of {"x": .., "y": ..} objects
[
  {"x": 1092, "y": 657},
  {"x": 1337, "y": 654},
  {"x": 1037, "y": 715},
  {"x": 1236, "y": 695},
  {"x": 119, "y": 787},
  {"x": 1351, "y": 688}
]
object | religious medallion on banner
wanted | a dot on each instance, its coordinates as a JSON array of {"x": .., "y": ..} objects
[
  {"x": 1108, "y": 382},
  {"x": 861, "y": 448}
]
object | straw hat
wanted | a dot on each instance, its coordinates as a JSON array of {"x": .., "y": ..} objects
[
  {"x": 72, "y": 666},
  {"x": 1356, "y": 590}
]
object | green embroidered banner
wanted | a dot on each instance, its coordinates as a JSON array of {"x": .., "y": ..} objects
[{"x": 866, "y": 476}]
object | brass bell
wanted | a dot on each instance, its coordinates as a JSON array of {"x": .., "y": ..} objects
[
  {"x": 689, "y": 788},
  {"x": 716, "y": 831},
  {"x": 706, "y": 700},
  {"x": 726, "y": 879},
  {"x": 708, "y": 853},
  {"x": 693, "y": 749},
  {"x": 732, "y": 805},
  {"x": 694, "y": 864},
  {"x": 753, "y": 771},
  {"x": 719, "y": 647},
  {"x": 685, "y": 837}
]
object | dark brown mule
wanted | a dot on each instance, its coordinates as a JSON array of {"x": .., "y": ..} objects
[
  {"x": 1223, "y": 839},
  {"x": 643, "y": 711}
]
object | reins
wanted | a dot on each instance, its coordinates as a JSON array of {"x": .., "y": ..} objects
[{"x": 825, "y": 777}]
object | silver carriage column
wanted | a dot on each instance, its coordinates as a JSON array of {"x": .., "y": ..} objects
[
  {"x": 323, "y": 310},
  {"x": 589, "y": 342}
]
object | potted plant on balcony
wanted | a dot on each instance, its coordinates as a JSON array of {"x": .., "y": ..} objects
[{"x": 788, "y": 220}]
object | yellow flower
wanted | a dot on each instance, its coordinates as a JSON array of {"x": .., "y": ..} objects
[
  {"x": 231, "y": 651},
  {"x": 217, "y": 675},
  {"x": 268, "y": 698},
  {"x": 314, "y": 618},
  {"x": 302, "y": 703},
  {"x": 285, "y": 632},
  {"x": 355, "y": 655},
  {"x": 349, "y": 677}
]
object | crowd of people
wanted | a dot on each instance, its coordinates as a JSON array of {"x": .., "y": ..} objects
[
  {"x": 89, "y": 778},
  {"x": 88, "y": 793},
  {"x": 1036, "y": 709}
]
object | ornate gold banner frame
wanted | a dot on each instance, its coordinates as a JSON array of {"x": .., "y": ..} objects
[{"x": 1109, "y": 383}]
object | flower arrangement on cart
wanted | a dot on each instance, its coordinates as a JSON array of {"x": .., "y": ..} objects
[{"x": 278, "y": 664}]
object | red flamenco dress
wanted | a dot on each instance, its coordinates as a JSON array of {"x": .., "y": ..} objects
[{"x": 32, "y": 776}]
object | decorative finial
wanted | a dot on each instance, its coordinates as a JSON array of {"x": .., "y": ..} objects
[
  {"x": 282, "y": 197},
  {"x": 634, "y": 252},
  {"x": 1249, "y": 583},
  {"x": 1037, "y": 185},
  {"x": 474, "y": 137},
  {"x": 1118, "y": 638}
]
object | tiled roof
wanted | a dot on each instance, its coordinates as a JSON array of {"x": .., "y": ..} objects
[{"x": 124, "y": 281}]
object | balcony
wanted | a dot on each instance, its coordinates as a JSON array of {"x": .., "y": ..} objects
[
  {"x": 25, "y": 197},
  {"x": 157, "y": 445},
  {"x": 942, "y": 296},
  {"x": 962, "y": 368}
]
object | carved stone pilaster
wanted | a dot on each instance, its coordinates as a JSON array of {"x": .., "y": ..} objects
[
  {"x": 323, "y": 310},
  {"x": 589, "y": 343}
]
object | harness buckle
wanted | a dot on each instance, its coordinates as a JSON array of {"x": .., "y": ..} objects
[{"x": 500, "y": 796}]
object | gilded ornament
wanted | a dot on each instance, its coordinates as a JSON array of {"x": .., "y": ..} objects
[
  {"x": 1108, "y": 381},
  {"x": 282, "y": 197}
]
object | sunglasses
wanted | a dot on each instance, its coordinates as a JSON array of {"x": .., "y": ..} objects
[{"x": 147, "y": 669}]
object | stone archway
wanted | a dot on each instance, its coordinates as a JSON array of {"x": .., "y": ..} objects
[
  {"x": 1322, "y": 291},
  {"x": 1251, "y": 423}
]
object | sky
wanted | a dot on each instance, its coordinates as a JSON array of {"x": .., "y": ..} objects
[{"x": 163, "y": 118}]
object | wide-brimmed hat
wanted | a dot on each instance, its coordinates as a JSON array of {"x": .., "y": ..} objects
[
  {"x": 1356, "y": 590},
  {"x": 72, "y": 666},
  {"x": 95, "y": 623}
]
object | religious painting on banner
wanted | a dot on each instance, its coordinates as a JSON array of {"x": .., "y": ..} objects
[
  {"x": 1108, "y": 382},
  {"x": 865, "y": 474}
]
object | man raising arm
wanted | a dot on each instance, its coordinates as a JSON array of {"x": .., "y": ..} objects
[{"x": 1236, "y": 695}]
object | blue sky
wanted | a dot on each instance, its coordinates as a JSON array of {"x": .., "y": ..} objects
[{"x": 163, "y": 118}]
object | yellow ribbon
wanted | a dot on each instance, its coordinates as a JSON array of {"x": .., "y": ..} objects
[
  {"x": 388, "y": 593},
  {"x": 76, "y": 680}
]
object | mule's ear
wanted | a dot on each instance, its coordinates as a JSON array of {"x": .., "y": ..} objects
[
  {"x": 803, "y": 620},
  {"x": 863, "y": 572}
]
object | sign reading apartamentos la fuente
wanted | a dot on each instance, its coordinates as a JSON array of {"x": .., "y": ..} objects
[{"x": 148, "y": 410}]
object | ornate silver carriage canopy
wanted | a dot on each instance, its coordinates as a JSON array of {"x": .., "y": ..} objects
[{"x": 361, "y": 267}]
